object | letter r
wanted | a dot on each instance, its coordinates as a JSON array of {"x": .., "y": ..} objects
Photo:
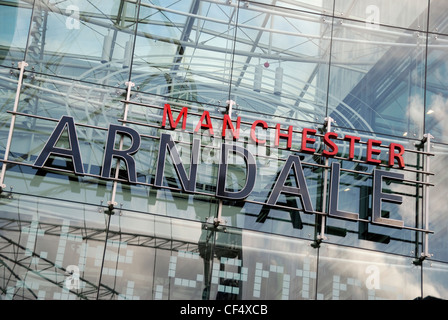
[{"x": 125, "y": 155}]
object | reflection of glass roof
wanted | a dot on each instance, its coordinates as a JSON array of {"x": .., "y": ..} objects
[{"x": 274, "y": 54}]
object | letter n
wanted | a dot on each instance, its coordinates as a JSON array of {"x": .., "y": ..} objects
[
  {"x": 188, "y": 184},
  {"x": 73, "y": 152}
]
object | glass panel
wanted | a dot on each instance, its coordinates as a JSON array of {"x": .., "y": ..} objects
[
  {"x": 54, "y": 97},
  {"x": 436, "y": 90},
  {"x": 184, "y": 262},
  {"x": 15, "y": 17},
  {"x": 266, "y": 267},
  {"x": 281, "y": 60},
  {"x": 435, "y": 285},
  {"x": 184, "y": 50},
  {"x": 165, "y": 202},
  {"x": 353, "y": 274},
  {"x": 377, "y": 81},
  {"x": 324, "y": 6},
  {"x": 438, "y": 242},
  {"x": 408, "y": 14},
  {"x": 78, "y": 40},
  {"x": 437, "y": 17},
  {"x": 150, "y": 257},
  {"x": 50, "y": 250}
]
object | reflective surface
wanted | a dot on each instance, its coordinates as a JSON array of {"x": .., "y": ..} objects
[{"x": 376, "y": 68}]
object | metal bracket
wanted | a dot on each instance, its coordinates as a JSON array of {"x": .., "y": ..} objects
[
  {"x": 319, "y": 239},
  {"x": 418, "y": 261},
  {"x": 328, "y": 122},
  {"x": 111, "y": 205},
  {"x": 110, "y": 208},
  {"x": 230, "y": 104},
  {"x": 7, "y": 195},
  {"x": 218, "y": 222},
  {"x": 129, "y": 84}
]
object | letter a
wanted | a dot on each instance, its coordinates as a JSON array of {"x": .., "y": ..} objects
[
  {"x": 301, "y": 190},
  {"x": 72, "y": 153}
]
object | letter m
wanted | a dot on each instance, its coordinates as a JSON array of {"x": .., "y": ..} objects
[{"x": 173, "y": 124}]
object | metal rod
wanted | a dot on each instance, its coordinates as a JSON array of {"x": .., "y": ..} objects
[
  {"x": 104, "y": 256},
  {"x": 22, "y": 66},
  {"x": 219, "y": 221},
  {"x": 112, "y": 203},
  {"x": 425, "y": 253},
  {"x": 322, "y": 236}
]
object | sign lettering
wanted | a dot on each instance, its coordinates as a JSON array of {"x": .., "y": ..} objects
[{"x": 281, "y": 186}]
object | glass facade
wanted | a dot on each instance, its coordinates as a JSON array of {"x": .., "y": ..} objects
[{"x": 110, "y": 191}]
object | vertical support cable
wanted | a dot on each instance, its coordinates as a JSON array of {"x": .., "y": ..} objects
[
  {"x": 232, "y": 61},
  {"x": 112, "y": 203},
  {"x": 328, "y": 121},
  {"x": 218, "y": 220},
  {"x": 321, "y": 236},
  {"x": 426, "y": 139},
  {"x": 22, "y": 66},
  {"x": 104, "y": 256}
]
